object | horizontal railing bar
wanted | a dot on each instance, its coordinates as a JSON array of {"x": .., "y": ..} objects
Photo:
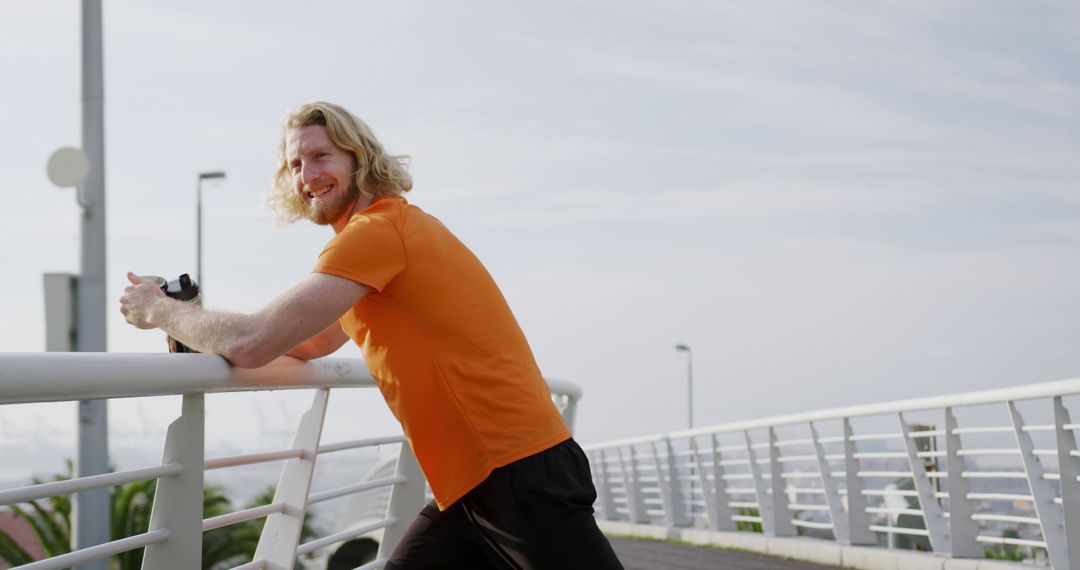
[
  {"x": 811, "y": 524},
  {"x": 242, "y": 516},
  {"x": 252, "y": 458},
  {"x": 745, "y": 518},
  {"x": 1010, "y": 541},
  {"x": 67, "y": 487},
  {"x": 892, "y": 511},
  {"x": 794, "y": 442},
  {"x": 900, "y": 530},
  {"x": 889, "y": 474},
  {"x": 885, "y": 492},
  {"x": 993, "y": 396},
  {"x": 743, "y": 504},
  {"x": 355, "y": 488},
  {"x": 1004, "y": 518},
  {"x": 741, "y": 490},
  {"x": 796, "y": 458},
  {"x": 354, "y": 444},
  {"x": 343, "y": 536},
  {"x": 800, "y": 507},
  {"x": 993, "y": 475},
  {"x": 987, "y": 429},
  {"x": 875, "y": 436},
  {"x": 996, "y": 451},
  {"x": 48, "y": 376},
  {"x": 926, "y": 433},
  {"x": 726, "y": 462},
  {"x": 801, "y": 475},
  {"x": 999, "y": 497},
  {"x": 99, "y": 551},
  {"x": 877, "y": 455}
]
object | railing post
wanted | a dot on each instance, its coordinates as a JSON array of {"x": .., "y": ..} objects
[
  {"x": 635, "y": 503},
  {"x": 669, "y": 486},
  {"x": 858, "y": 520},
  {"x": 931, "y": 509},
  {"x": 603, "y": 485},
  {"x": 281, "y": 534},
  {"x": 178, "y": 501},
  {"x": 1050, "y": 517},
  {"x": 841, "y": 531},
  {"x": 406, "y": 500},
  {"x": 679, "y": 515},
  {"x": 780, "y": 512},
  {"x": 773, "y": 519},
  {"x": 569, "y": 413},
  {"x": 962, "y": 529},
  {"x": 1069, "y": 468},
  {"x": 715, "y": 495}
]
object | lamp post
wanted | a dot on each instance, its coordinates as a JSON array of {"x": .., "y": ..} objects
[
  {"x": 689, "y": 380},
  {"x": 198, "y": 224}
]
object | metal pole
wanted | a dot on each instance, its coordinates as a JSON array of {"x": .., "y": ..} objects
[
  {"x": 91, "y": 516},
  {"x": 689, "y": 380},
  {"x": 198, "y": 226},
  {"x": 690, "y": 385},
  {"x": 198, "y": 234}
]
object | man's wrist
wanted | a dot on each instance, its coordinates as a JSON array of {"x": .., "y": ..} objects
[{"x": 160, "y": 310}]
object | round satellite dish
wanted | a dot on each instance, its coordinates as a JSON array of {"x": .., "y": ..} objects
[{"x": 68, "y": 167}]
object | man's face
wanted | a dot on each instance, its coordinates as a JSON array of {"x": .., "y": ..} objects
[{"x": 322, "y": 173}]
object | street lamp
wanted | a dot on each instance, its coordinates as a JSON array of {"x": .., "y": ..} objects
[
  {"x": 689, "y": 379},
  {"x": 198, "y": 224}
]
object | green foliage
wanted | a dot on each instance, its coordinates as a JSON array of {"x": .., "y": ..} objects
[
  {"x": 50, "y": 521},
  {"x": 1006, "y": 551},
  {"x": 746, "y": 525},
  {"x": 130, "y": 508}
]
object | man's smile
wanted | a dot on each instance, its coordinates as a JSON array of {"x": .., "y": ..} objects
[{"x": 313, "y": 194}]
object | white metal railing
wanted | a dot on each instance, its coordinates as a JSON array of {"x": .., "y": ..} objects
[
  {"x": 889, "y": 473},
  {"x": 174, "y": 539}
]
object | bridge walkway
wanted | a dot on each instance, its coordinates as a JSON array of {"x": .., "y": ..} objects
[{"x": 644, "y": 554}]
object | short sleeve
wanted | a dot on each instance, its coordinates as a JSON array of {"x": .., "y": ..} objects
[{"x": 368, "y": 251}]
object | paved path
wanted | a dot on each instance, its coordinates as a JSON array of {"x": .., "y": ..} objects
[{"x": 657, "y": 555}]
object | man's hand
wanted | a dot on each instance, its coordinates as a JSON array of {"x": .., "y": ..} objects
[{"x": 138, "y": 301}]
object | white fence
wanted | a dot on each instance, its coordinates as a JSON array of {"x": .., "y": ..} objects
[
  {"x": 957, "y": 475},
  {"x": 174, "y": 539}
]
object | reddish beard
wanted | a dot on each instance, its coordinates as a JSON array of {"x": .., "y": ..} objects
[{"x": 327, "y": 211}]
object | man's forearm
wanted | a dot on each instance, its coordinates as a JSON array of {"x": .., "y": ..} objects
[
  {"x": 211, "y": 332},
  {"x": 247, "y": 340}
]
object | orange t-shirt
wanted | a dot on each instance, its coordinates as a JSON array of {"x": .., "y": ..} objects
[{"x": 443, "y": 346}]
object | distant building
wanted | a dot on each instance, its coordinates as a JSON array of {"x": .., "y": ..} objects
[{"x": 23, "y": 534}]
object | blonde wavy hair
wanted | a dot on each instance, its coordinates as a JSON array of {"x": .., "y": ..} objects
[{"x": 377, "y": 172}]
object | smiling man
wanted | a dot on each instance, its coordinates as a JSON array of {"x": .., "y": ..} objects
[{"x": 512, "y": 489}]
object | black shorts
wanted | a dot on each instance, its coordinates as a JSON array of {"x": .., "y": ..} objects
[{"x": 535, "y": 513}]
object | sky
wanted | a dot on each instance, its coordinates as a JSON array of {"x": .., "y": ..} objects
[{"x": 832, "y": 202}]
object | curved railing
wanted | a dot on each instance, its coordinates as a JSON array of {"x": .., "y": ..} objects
[
  {"x": 990, "y": 473},
  {"x": 174, "y": 539}
]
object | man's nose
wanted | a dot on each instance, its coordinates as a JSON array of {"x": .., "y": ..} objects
[{"x": 309, "y": 173}]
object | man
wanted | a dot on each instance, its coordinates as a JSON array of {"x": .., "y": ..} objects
[{"x": 512, "y": 489}]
